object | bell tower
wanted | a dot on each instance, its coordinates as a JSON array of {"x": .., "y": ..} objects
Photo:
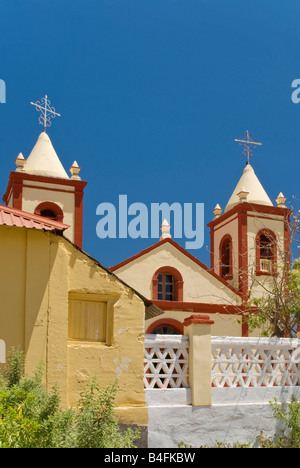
[
  {"x": 40, "y": 185},
  {"x": 250, "y": 240}
]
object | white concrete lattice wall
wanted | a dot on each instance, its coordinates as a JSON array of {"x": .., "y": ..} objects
[{"x": 247, "y": 374}]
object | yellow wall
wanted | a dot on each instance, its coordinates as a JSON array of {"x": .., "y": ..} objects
[
  {"x": 224, "y": 324},
  {"x": 39, "y": 273}
]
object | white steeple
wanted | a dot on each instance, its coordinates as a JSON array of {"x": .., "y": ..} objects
[
  {"x": 43, "y": 160},
  {"x": 250, "y": 185}
]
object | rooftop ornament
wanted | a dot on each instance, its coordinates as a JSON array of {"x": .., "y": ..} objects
[
  {"x": 246, "y": 142},
  {"x": 47, "y": 112}
]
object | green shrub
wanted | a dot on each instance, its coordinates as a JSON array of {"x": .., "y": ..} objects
[
  {"x": 32, "y": 417},
  {"x": 289, "y": 417}
]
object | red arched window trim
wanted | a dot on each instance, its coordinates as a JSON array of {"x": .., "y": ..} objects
[
  {"x": 260, "y": 270},
  {"x": 228, "y": 273},
  {"x": 178, "y": 282},
  {"x": 167, "y": 322},
  {"x": 52, "y": 207}
]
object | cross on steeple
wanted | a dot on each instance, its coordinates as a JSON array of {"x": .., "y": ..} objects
[
  {"x": 246, "y": 143},
  {"x": 47, "y": 112}
]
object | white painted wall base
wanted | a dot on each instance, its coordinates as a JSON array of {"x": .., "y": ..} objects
[
  {"x": 235, "y": 421},
  {"x": 168, "y": 397},
  {"x": 258, "y": 395}
]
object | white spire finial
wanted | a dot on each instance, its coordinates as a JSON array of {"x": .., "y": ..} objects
[
  {"x": 75, "y": 169},
  {"x": 217, "y": 211},
  {"x": 20, "y": 163},
  {"x": 280, "y": 200},
  {"x": 165, "y": 230}
]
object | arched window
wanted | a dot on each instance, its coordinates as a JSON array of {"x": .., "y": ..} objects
[
  {"x": 167, "y": 284},
  {"x": 49, "y": 210},
  {"x": 266, "y": 252},
  {"x": 226, "y": 257},
  {"x": 165, "y": 327}
]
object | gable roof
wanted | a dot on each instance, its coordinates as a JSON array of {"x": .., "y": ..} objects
[
  {"x": 183, "y": 251},
  {"x": 14, "y": 217}
]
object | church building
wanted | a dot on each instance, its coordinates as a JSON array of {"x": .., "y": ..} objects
[
  {"x": 248, "y": 243},
  {"x": 65, "y": 309},
  {"x": 59, "y": 305}
]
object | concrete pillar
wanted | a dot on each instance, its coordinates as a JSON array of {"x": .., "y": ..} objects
[
  {"x": 198, "y": 329},
  {"x": 2, "y": 352}
]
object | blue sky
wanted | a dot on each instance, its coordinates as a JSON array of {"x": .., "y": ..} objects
[{"x": 152, "y": 95}]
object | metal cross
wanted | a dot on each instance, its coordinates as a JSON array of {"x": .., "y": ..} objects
[
  {"x": 246, "y": 143},
  {"x": 47, "y": 112}
]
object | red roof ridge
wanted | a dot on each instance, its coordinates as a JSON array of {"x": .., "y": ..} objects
[
  {"x": 185, "y": 252},
  {"x": 15, "y": 217}
]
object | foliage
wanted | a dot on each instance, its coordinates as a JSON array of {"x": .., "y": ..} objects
[
  {"x": 32, "y": 417},
  {"x": 278, "y": 311},
  {"x": 218, "y": 445},
  {"x": 289, "y": 416},
  {"x": 96, "y": 424}
]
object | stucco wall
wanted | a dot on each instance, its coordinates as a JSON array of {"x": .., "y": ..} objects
[
  {"x": 58, "y": 194},
  {"x": 38, "y": 272},
  {"x": 237, "y": 415},
  {"x": 224, "y": 324},
  {"x": 199, "y": 284},
  {"x": 196, "y": 426}
]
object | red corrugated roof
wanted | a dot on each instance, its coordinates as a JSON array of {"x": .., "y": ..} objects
[{"x": 14, "y": 217}]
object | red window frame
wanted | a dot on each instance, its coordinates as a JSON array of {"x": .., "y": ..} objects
[
  {"x": 266, "y": 240},
  {"x": 53, "y": 208},
  {"x": 225, "y": 256},
  {"x": 177, "y": 283}
]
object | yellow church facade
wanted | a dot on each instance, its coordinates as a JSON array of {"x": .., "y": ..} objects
[
  {"x": 193, "y": 289},
  {"x": 80, "y": 319},
  {"x": 249, "y": 249},
  {"x": 59, "y": 305}
]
